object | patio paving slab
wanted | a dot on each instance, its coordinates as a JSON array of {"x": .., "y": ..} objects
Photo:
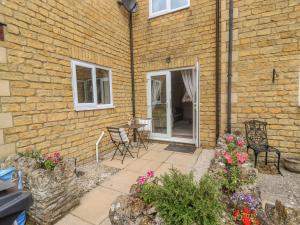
[
  {"x": 158, "y": 155},
  {"x": 122, "y": 181},
  {"x": 94, "y": 206},
  {"x": 106, "y": 222},
  {"x": 72, "y": 220},
  {"x": 182, "y": 159},
  {"x": 117, "y": 162},
  {"x": 141, "y": 166},
  {"x": 203, "y": 163}
]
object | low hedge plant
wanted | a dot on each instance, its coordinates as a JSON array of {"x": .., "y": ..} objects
[{"x": 182, "y": 201}]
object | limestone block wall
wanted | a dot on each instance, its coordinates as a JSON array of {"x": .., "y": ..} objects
[
  {"x": 266, "y": 37},
  {"x": 6, "y": 120},
  {"x": 186, "y": 36},
  {"x": 41, "y": 38}
]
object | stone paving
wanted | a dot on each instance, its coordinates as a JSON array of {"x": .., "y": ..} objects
[
  {"x": 285, "y": 188},
  {"x": 94, "y": 206}
]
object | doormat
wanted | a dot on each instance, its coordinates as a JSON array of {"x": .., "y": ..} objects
[{"x": 184, "y": 148}]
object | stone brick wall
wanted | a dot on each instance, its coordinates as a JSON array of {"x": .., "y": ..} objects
[
  {"x": 266, "y": 36},
  {"x": 41, "y": 38},
  {"x": 185, "y": 36}
]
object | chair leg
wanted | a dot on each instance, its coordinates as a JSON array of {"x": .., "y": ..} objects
[
  {"x": 278, "y": 163},
  {"x": 126, "y": 150},
  {"x": 117, "y": 149},
  {"x": 266, "y": 159},
  {"x": 255, "y": 160}
]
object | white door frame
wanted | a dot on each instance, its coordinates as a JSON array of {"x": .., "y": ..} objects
[
  {"x": 196, "y": 118},
  {"x": 167, "y": 74}
]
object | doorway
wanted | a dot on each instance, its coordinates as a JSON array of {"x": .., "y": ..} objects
[
  {"x": 182, "y": 107},
  {"x": 172, "y": 100}
]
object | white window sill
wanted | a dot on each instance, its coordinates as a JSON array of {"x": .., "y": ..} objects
[
  {"x": 154, "y": 15},
  {"x": 86, "y": 108}
]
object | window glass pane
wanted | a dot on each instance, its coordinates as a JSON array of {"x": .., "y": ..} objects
[
  {"x": 159, "y": 104},
  {"x": 103, "y": 86},
  {"x": 178, "y": 3},
  {"x": 158, "y": 5},
  {"x": 84, "y": 85}
]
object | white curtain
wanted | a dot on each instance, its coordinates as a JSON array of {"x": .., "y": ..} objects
[
  {"x": 155, "y": 92},
  {"x": 187, "y": 77}
]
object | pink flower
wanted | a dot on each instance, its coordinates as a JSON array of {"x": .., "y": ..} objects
[
  {"x": 228, "y": 157},
  {"x": 229, "y": 138},
  {"x": 141, "y": 180},
  {"x": 242, "y": 158},
  {"x": 240, "y": 142},
  {"x": 150, "y": 173}
]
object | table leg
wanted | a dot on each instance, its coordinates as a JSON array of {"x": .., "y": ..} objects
[{"x": 141, "y": 141}]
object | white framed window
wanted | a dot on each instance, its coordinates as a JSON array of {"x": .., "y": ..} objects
[
  {"x": 161, "y": 7},
  {"x": 92, "y": 86}
]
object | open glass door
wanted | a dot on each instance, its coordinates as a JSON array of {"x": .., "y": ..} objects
[
  {"x": 196, "y": 79},
  {"x": 159, "y": 103}
]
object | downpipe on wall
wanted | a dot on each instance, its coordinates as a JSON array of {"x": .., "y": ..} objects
[
  {"x": 229, "y": 82},
  {"x": 218, "y": 78}
]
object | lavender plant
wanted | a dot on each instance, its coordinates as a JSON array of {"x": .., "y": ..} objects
[{"x": 240, "y": 200}]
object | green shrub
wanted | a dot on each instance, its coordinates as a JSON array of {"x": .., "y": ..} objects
[
  {"x": 181, "y": 201},
  {"x": 34, "y": 154}
]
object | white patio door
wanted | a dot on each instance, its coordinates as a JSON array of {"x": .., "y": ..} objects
[
  {"x": 196, "y": 81},
  {"x": 159, "y": 103}
]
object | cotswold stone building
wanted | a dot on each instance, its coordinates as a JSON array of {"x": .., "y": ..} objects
[{"x": 66, "y": 71}]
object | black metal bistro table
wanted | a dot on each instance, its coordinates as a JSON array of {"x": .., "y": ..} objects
[{"x": 135, "y": 129}]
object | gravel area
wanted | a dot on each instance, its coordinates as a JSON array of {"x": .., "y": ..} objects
[
  {"x": 93, "y": 174},
  {"x": 285, "y": 188}
]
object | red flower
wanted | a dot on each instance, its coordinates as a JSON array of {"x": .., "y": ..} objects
[
  {"x": 246, "y": 210},
  {"x": 252, "y": 211},
  {"x": 236, "y": 213},
  {"x": 257, "y": 221},
  {"x": 228, "y": 157},
  {"x": 246, "y": 220}
]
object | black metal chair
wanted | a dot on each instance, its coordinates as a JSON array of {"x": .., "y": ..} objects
[
  {"x": 121, "y": 141},
  {"x": 145, "y": 131},
  {"x": 257, "y": 140}
]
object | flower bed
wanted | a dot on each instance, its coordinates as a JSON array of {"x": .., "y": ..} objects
[
  {"x": 170, "y": 199},
  {"x": 52, "y": 182},
  {"x": 227, "y": 195}
]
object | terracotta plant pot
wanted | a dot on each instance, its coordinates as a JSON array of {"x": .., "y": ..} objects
[{"x": 292, "y": 164}]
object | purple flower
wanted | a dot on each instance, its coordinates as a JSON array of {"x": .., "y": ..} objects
[{"x": 240, "y": 199}]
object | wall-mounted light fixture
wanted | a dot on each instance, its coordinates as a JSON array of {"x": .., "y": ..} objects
[
  {"x": 168, "y": 59},
  {"x": 2, "y": 25},
  {"x": 275, "y": 75}
]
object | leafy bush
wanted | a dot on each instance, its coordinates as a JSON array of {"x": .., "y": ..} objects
[
  {"x": 181, "y": 201},
  {"x": 34, "y": 154}
]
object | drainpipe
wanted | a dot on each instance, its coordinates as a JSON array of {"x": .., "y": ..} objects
[
  {"x": 132, "y": 64},
  {"x": 132, "y": 69},
  {"x": 229, "y": 86},
  {"x": 218, "y": 91}
]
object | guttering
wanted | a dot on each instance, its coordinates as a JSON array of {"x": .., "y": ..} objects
[
  {"x": 229, "y": 85},
  {"x": 218, "y": 78}
]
